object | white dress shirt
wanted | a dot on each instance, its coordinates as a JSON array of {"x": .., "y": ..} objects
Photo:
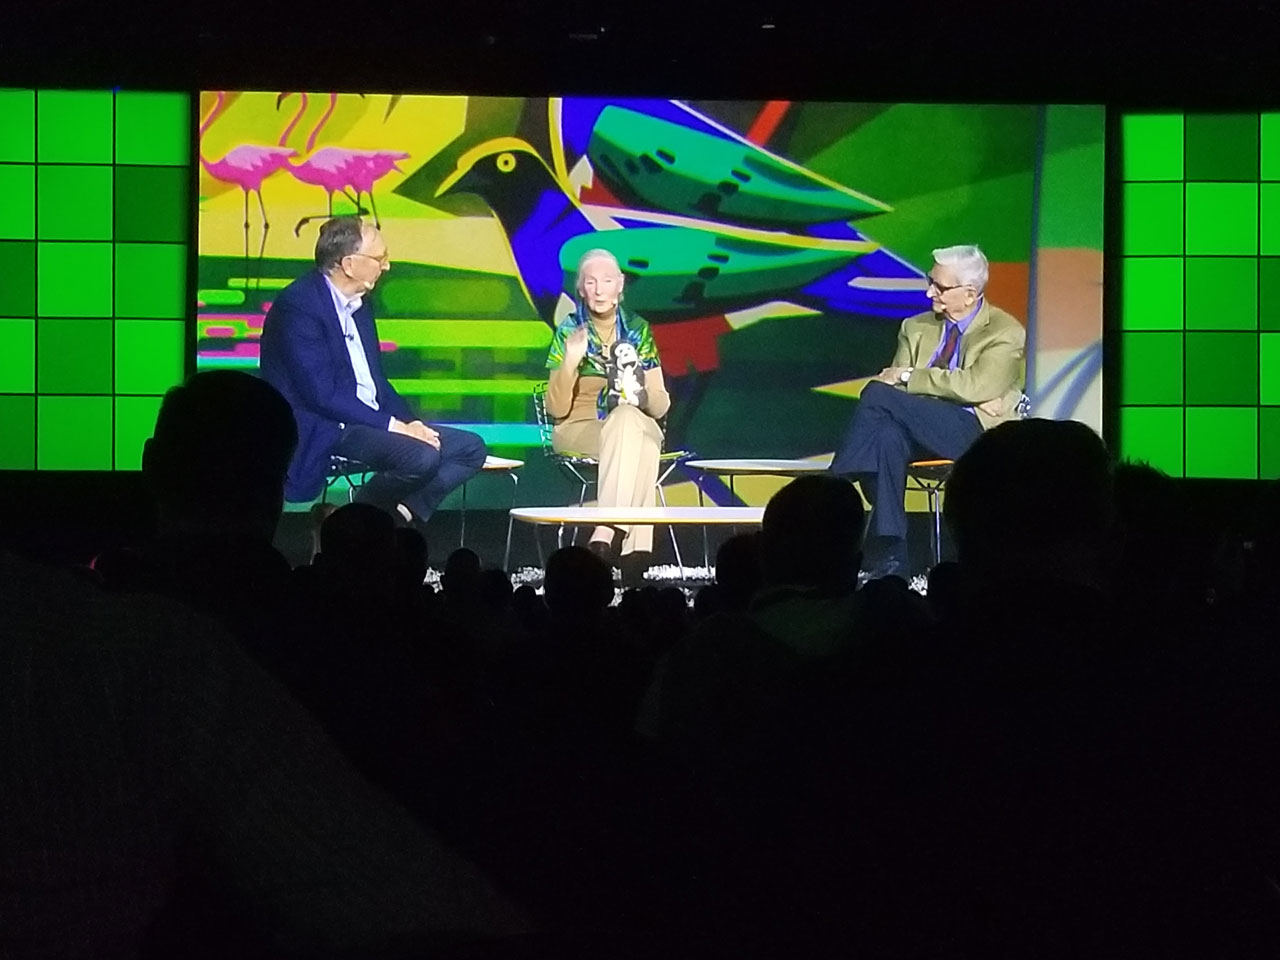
[{"x": 366, "y": 391}]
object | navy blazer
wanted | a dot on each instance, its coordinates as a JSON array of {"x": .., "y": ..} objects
[{"x": 304, "y": 356}]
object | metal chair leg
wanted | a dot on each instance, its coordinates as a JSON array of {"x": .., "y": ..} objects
[
  {"x": 936, "y": 508},
  {"x": 462, "y": 533},
  {"x": 515, "y": 485}
]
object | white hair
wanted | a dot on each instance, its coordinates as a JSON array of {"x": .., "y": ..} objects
[
  {"x": 599, "y": 253},
  {"x": 969, "y": 263}
]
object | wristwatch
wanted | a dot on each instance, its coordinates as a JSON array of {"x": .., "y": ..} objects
[{"x": 905, "y": 375}]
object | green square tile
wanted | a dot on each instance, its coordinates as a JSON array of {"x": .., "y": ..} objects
[
  {"x": 135, "y": 424},
  {"x": 17, "y": 433},
  {"x": 1222, "y": 218},
  {"x": 1269, "y": 293},
  {"x": 74, "y": 203},
  {"x": 18, "y": 291},
  {"x": 1152, "y": 293},
  {"x": 1269, "y": 437},
  {"x": 1269, "y": 211},
  {"x": 73, "y": 433},
  {"x": 73, "y": 126},
  {"x": 1152, "y": 146},
  {"x": 1269, "y": 369},
  {"x": 1222, "y": 442},
  {"x": 1153, "y": 219},
  {"x": 152, "y": 203},
  {"x": 1222, "y": 293},
  {"x": 153, "y": 128},
  {"x": 75, "y": 280},
  {"x": 1222, "y": 146},
  {"x": 150, "y": 355},
  {"x": 1152, "y": 435},
  {"x": 17, "y": 126},
  {"x": 1151, "y": 368},
  {"x": 1270, "y": 130},
  {"x": 17, "y": 356},
  {"x": 151, "y": 280},
  {"x": 1222, "y": 368},
  {"x": 18, "y": 211},
  {"x": 73, "y": 356}
]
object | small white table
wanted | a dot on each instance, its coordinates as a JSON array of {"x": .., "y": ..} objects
[
  {"x": 635, "y": 516},
  {"x": 493, "y": 465}
]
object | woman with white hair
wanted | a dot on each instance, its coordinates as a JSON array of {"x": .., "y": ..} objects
[
  {"x": 959, "y": 370},
  {"x": 620, "y": 429}
]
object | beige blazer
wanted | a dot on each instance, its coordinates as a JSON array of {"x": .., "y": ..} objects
[{"x": 992, "y": 367}]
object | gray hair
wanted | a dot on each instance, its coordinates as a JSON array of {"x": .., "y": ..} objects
[
  {"x": 969, "y": 263},
  {"x": 599, "y": 253},
  {"x": 339, "y": 238}
]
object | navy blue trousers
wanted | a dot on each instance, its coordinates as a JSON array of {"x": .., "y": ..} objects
[
  {"x": 889, "y": 429},
  {"x": 409, "y": 471}
]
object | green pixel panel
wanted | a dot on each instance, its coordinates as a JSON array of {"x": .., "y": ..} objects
[
  {"x": 17, "y": 356},
  {"x": 74, "y": 203},
  {"x": 135, "y": 422},
  {"x": 18, "y": 291},
  {"x": 1153, "y": 147},
  {"x": 1222, "y": 146},
  {"x": 73, "y": 433},
  {"x": 1269, "y": 435},
  {"x": 151, "y": 280},
  {"x": 17, "y": 126},
  {"x": 1269, "y": 369},
  {"x": 1222, "y": 442},
  {"x": 149, "y": 355},
  {"x": 1222, "y": 368},
  {"x": 18, "y": 209},
  {"x": 1222, "y": 293},
  {"x": 1222, "y": 218},
  {"x": 94, "y": 226},
  {"x": 1269, "y": 293},
  {"x": 1151, "y": 368},
  {"x": 153, "y": 128},
  {"x": 1152, "y": 293},
  {"x": 1269, "y": 212},
  {"x": 75, "y": 280},
  {"x": 1153, "y": 219},
  {"x": 74, "y": 356},
  {"x": 17, "y": 433},
  {"x": 1153, "y": 435},
  {"x": 74, "y": 126}
]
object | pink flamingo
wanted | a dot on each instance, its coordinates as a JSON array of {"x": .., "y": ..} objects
[
  {"x": 335, "y": 169},
  {"x": 246, "y": 166}
]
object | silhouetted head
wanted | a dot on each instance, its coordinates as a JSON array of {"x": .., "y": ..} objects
[
  {"x": 358, "y": 542},
  {"x": 1034, "y": 497},
  {"x": 495, "y": 590},
  {"x": 812, "y": 534},
  {"x": 578, "y": 583},
  {"x": 217, "y": 459},
  {"x": 739, "y": 569},
  {"x": 461, "y": 578}
]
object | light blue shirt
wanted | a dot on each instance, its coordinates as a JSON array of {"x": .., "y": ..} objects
[
  {"x": 963, "y": 323},
  {"x": 366, "y": 391}
]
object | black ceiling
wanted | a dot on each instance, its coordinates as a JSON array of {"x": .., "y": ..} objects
[{"x": 1139, "y": 53}]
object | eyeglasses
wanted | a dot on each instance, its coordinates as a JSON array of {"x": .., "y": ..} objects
[
  {"x": 384, "y": 259},
  {"x": 932, "y": 284}
]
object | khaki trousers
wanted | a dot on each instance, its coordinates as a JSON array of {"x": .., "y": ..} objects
[{"x": 628, "y": 443}]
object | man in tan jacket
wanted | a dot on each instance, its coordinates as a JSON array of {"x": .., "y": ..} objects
[{"x": 958, "y": 370}]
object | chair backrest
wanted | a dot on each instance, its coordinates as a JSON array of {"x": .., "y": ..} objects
[{"x": 545, "y": 426}]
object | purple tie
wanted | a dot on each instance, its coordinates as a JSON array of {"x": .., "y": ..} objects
[{"x": 943, "y": 360}]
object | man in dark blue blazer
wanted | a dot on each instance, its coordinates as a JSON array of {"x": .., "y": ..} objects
[{"x": 320, "y": 350}]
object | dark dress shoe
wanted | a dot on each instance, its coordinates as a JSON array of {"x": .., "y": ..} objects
[{"x": 603, "y": 550}]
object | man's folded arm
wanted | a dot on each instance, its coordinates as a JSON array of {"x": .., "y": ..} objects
[{"x": 993, "y": 373}]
